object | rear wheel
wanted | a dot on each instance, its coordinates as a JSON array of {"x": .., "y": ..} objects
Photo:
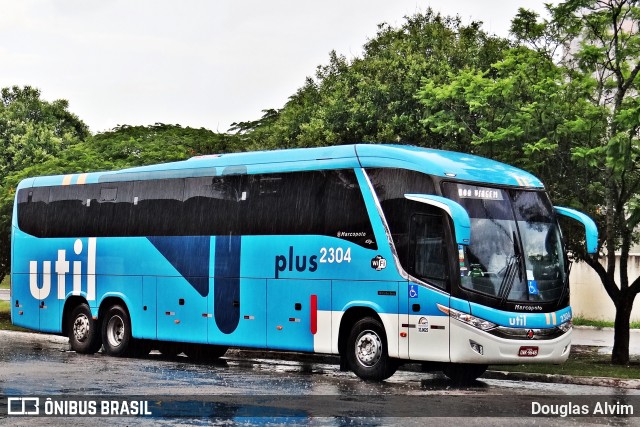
[
  {"x": 464, "y": 373},
  {"x": 116, "y": 332},
  {"x": 367, "y": 354},
  {"x": 83, "y": 330}
]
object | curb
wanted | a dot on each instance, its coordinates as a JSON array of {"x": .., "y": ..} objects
[{"x": 563, "y": 379}]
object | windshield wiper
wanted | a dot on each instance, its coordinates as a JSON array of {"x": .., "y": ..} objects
[{"x": 513, "y": 267}]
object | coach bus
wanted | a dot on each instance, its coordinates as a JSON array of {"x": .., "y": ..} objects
[{"x": 377, "y": 253}]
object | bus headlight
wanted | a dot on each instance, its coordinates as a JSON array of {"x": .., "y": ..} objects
[
  {"x": 566, "y": 326},
  {"x": 474, "y": 321}
]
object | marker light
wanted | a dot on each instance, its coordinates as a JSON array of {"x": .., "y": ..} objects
[{"x": 474, "y": 321}]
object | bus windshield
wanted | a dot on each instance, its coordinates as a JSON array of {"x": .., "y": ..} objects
[{"x": 516, "y": 249}]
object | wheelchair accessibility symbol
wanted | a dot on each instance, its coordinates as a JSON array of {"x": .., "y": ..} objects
[
  {"x": 533, "y": 287},
  {"x": 413, "y": 291}
]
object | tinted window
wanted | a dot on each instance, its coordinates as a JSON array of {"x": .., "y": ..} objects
[
  {"x": 33, "y": 207},
  {"x": 391, "y": 185},
  {"x": 428, "y": 255},
  {"x": 320, "y": 202},
  {"x": 157, "y": 208}
]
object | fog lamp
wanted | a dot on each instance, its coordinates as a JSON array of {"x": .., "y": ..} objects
[{"x": 476, "y": 347}]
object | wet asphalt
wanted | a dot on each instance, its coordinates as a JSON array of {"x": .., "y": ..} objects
[{"x": 256, "y": 388}]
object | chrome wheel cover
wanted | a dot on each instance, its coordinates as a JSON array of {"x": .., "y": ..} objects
[
  {"x": 81, "y": 328},
  {"x": 368, "y": 348},
  {"x": 115, "y": 331}
]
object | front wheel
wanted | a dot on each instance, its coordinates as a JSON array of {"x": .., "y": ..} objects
[
  {"x": 367, "y": 354},
  {"x": 83, "y": 330},
  {"x": 116, "y": 331}
]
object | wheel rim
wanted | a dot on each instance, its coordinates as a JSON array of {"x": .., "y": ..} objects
[
  {"x": 115, "y": 331},
  {"x": 368, "y": 348},
  {"x": 81, "y": 328}
]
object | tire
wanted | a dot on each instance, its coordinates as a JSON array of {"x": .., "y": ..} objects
[
  {"x": 83, "y": 330},
  {"x": 204, "y": 352},
  {"x": 116, "y": 332},
  {"x": 367, "y": 354},
  {"x": 464, "y": 373}
]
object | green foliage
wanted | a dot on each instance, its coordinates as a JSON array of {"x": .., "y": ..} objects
[
  {"x": 371, "y": 98},
  {"x": 124, "y": 146},
  {"x": 523, "y": 111},
  {"x": 32, "y": 131},
  {"x": 570, "y": 116}
]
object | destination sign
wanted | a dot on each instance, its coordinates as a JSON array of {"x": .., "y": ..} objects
[{"x": 483, "y": 193}]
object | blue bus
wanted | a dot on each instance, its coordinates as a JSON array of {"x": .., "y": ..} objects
[{"x": 377, "y": 253}]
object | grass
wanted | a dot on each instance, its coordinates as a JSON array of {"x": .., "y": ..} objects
[
  {"x": 5, "y": 318},
  {"x": 6, "y": 281},
  {"x": 581, "y": 321},
  {"x": 583, "y": 362}
]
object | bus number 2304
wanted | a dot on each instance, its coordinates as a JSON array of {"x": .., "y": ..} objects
[{"x": 335, "y": 255}]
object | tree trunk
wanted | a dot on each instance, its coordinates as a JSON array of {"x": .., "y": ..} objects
[{"x": 624, "y": 305}]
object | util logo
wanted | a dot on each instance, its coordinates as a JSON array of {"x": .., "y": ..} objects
[
  {"x": 62, "y": 267},
  {"x": 518, "y": 320}
]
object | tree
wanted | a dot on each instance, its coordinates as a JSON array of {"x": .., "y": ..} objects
[
  {"x": 31, "y": 131},
  {"x": 608, "y": 37},
  {"x": 124, "y": 146},
  {"x": 564, "y": 104},
  {"x": 371, "y": 98},
  {"x": 522, "y": 111}
]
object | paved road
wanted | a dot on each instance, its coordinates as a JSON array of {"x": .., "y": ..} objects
[
  {"x": 247, "y": 389},
  {"x": 4, "y": 294}
]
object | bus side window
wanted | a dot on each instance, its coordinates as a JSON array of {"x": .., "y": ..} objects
[
  {"x": 33, "y": 206},
  {"x": 156, "y": 208},
  {"x": 427, "y": 249}
]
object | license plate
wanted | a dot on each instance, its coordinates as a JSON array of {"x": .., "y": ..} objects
[{"x": 528, "y": 351}]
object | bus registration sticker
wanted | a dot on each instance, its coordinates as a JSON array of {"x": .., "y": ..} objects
[
  {"x": 528, "y": 351},
  {"x": 423, "y": 325}
]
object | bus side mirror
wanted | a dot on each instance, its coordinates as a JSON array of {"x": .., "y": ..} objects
[
  {"x": 590, "y": 228},
  {"x": 458, "y": 214}
]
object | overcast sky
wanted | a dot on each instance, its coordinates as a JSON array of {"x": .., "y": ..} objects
[{"x": 199, "y": 63}]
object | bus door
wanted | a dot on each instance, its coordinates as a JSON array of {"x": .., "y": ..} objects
[
  {"x": 294, "y": 317},
  {"x": 428, "y": 261}
]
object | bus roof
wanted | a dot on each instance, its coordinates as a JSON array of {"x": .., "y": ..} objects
[{"x": 464, "y": 167}]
